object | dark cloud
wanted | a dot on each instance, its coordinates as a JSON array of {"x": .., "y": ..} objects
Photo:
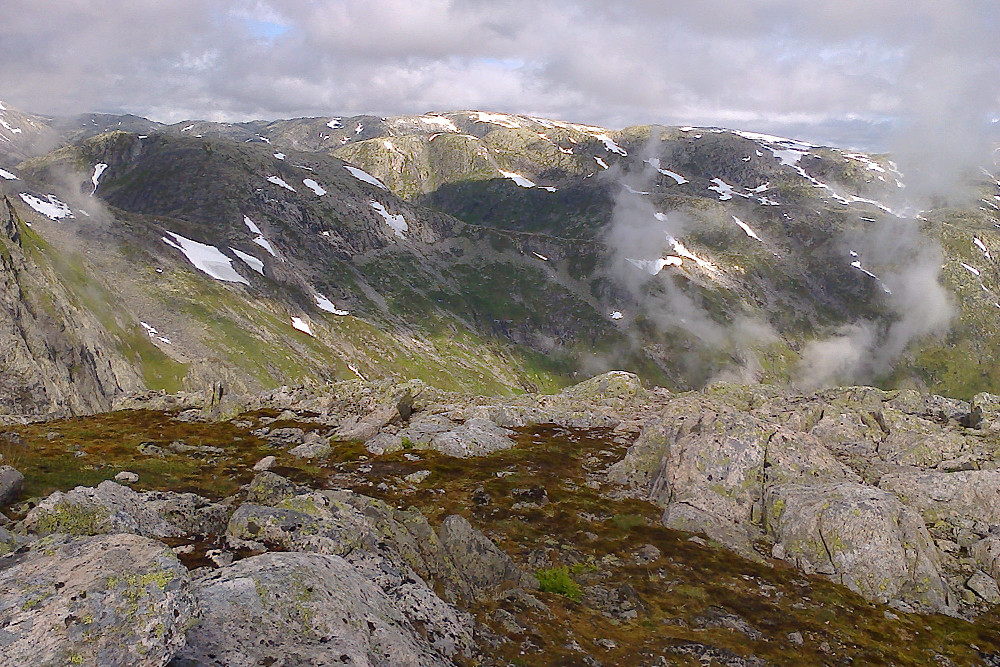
[{"x": 814, "y": 69}]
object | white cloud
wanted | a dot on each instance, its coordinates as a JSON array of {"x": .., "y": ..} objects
[{"x": 823, "y": 66}]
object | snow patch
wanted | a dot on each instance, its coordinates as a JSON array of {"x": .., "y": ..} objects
[
  {"x": 655, "y": 164},
  {"x": 982, "y": 246},
  {"x": 280, "y": 156},
  {"x": 364, "y": 176},
  {"x": 250, "y": 260},
  {"x": 99, "y": 169},
  {"x": 7, "y": 175},
  {"x": 325, "y": 304},
  {"x": 517, "y": 178},
  {"x": 610, "y": 144},
  {"x": 746, "y": 228},
  {"x": 654, "y": 266},
  {"x": 397, "y": 222},
  {"x": 971, "y": 269},
  {"x": 616, "y": 315},
  {"x": 278, "y": 181},
  {"x": 206, "y": 258},
  {"x": 604, "y": 165},
  {"x": 302, "y": 325},
  {"x": 53, "y": 208},
  {"x": 439, "y": 121},
  {"x": 725, "y": 190},
  {"x": 333, "y": 123},
  {"x": 501, "y": 119},
  {"x": 857, "y": 265},
  {"x": 541, "y": 257},
  {"x": 12, "y": 130},
  {"x": 314, "y": 186}
]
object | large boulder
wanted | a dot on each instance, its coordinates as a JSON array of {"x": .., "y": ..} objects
[
  {"x": 312, "y": 609},
  {"x": 108, "y": 508},
  {"x": 11, "y": 484},
  {"x": 112, "y": 508},
  {"x": 478, "y": 561},
  {"x": 476, "y": 437},
  {"x": 859, "y": 536},
  {"x": 102, "y": 601},
  {"x": 949, "y": 496},
  {"x": 457, "y": 557},
  {"x": 708, "y": 464}
]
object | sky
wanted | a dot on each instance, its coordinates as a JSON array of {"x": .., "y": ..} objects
[{"x": 848, "y": 72}]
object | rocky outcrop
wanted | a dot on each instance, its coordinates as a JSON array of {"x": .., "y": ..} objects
[
  {"x": 113, "y": 508},
  {"x": 115, "y": 600},
  {"x": 316, "y": 609},
  {"x": 862, "y": 537},
  {"x": 708, "y": 465},
  {"x": 871, "y": 488},
  {"x": 55, "y": 357},
  {"x": 457, "y": 557}
]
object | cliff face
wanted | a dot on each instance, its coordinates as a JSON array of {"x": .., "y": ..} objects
[{"x": 54, "y": 356}]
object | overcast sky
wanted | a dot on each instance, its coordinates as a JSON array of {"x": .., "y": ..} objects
[{"x": 834, "y": 70}]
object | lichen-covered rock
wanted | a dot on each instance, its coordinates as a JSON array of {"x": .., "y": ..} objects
[
  {"x": 859, "y": 536},
  {"x": 11, "y": 483},
  {"x": 986, "y": 553},
  {"x": 484, "y": 566},
  {"x": 708, "y": 465},
  {"x": 319, "y": 522},
  {"x": 108, "y": 508},
  {"x": 269, "y": 488},
  {"x": 188, "y": 512},
  {"x": 476, "y": 437},
  {"x": 313, "y": 446},
  {"x": 304, "y": 608},
  {"x": 119, "y": 600},
  {"x": 949, "y": 496}
]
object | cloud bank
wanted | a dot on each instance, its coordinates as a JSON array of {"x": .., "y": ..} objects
[{"x": 840, "y": 70}]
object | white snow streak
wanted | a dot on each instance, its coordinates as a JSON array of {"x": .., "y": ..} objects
[
  {"x": 7, "y": 175},
  {"x": 397, "y": 222},
  {"x": 971, "y": 269},
  {"x": 278, "y": 181},
  {"x": 364, "y": 176},
  {"x": 53, "y": 208},
  {"x": 302, "y": 325},
  {"x": 654, "y": 266},
  {"x": 99, "y": 169},
  {"x": 314, "y": 186},
  {"x": 610, "y": 144},
  {"x": 517, "y": 178},
  {"x": 325, "y": 304},
  {"x": 746, "y": 228},
  {"x": 280, "y": 156},
  {"x": 655, "y": 164},
  {"x": 206, "y": 258},
  {"x": 250, "y": 260},
  {"x": 604, "y": 165}
]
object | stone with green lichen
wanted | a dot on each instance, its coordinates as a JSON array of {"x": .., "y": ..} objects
[
  {"x": 859, "y": 536},
  {"x": 108, "y": 508},
  {"x": 321, "y": 609},
  {"x": 117, "y": 600}
]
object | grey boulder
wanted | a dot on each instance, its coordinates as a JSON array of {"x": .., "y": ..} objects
[{"x": 107, "y": 601}]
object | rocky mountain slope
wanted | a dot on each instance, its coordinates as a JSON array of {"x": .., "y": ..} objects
[
  {"x": 608, "y": 524},
  {"x": 495, "y": 253}
]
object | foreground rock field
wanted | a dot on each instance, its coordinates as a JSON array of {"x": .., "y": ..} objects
[{"x": 610, "y": 524}]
